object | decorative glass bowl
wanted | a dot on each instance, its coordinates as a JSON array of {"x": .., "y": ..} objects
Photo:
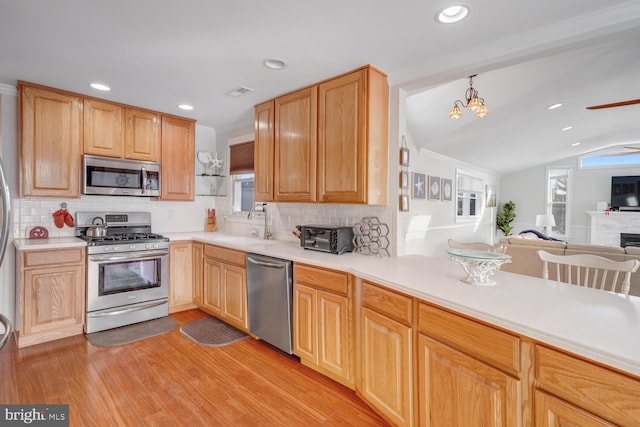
[{"x": 479, "y": 265}]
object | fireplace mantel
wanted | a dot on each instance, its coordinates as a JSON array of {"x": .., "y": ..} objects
[{"x": 605, "y": 228}]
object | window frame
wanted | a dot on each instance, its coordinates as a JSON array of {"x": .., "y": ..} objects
[
  {"x": 568, "y": 199},
  {"x": 234, "y": 181},
  {"x": 479, "y": 204}
]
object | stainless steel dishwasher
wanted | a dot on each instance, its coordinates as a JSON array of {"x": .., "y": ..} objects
[{"x": 269, "y": 299}]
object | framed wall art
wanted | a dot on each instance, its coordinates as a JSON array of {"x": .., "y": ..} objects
[
  {"x": 490, "y": 195},
  {"x": 434, "y": 187},
  {"x": 404, "y": 153},
  {"x": 419, "y": 186},
  {"x": 404, "y": 180},
  {"x": 447, "y": 189},
  {"x": 404, "y": 202}
]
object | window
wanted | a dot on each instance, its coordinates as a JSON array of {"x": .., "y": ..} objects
[
  {"x": 470, "y": 192},
  {"x": 241, "y": 173},
  {"x": 558, "y": 195},
  {"x": 619, "y": 156}
]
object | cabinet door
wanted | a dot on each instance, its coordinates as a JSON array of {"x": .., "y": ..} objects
[
  {"x": 235, "y": 295},
  {"x": 180, "y": 277},
  {"x": 304, "y": 322},
  {"x": 263, "y": 152},
  {"x": 386, "y": 381},
  {"x": 103, "y": 128},
  {"x": 142, "y": 140},
  {"x": 51, "y": 131},
  {"x": 458, "y": 390},
  {"x": 53, "y": 300},
  {"x": 197, "y": 254},
  {"x": 553, "y": 412},
  {"x": 178, "y": 157},
  {"x": 333, "y": 334},
  {"x": 212, "y": 294},
  {"x": 296, "y": 146}
]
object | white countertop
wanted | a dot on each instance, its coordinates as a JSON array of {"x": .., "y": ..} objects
[
  {"x": 599, "y": 325},
  {"x": 52, "y": 243}
]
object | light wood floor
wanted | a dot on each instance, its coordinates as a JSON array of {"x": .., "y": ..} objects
[{"x": 170, "y": 381}]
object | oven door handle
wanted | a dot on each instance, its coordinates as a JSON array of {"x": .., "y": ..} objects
[
  {"x": 133, "y": 256},
  {"x": 128, "y": 310}
]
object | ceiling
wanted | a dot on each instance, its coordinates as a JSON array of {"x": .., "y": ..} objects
[{"x": 157, "y": 54}]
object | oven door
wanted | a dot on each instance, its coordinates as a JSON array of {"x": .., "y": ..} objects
[{"x": 120, "y": 279}]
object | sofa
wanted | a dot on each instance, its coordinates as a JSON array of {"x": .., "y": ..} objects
[{"x": 524, "y": 257}]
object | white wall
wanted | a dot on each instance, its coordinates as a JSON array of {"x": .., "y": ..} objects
[{"x": 527, "y": 190}]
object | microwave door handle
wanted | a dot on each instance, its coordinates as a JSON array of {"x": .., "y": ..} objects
[{"x": 144, "y": 178}]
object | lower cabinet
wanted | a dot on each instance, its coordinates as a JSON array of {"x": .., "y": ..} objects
[
  {"x": 386, "y": 353},
  {"x": 197, "y": 259},
  {"x": 552, "y": 412},
  {"x": 52, "y": 294},
  {"x": 225, "y": 285},
  {"x": 323, "y": 321},
  {"x": 181, "y": 277}
]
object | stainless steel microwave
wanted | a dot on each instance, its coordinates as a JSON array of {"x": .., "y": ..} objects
[{"x": 120, "y": 177}]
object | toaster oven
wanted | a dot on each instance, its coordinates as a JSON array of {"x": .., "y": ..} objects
[{"x": 333, "y": 239}]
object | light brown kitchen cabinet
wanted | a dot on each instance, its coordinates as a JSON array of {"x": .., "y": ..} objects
[
  {"x": 461, "y": 379},
  {"x": 198, "y": 272},
  {"x": 330, "y": 142},
  {"x": 553, "y": 412},
  {"x": 142, "y": 136},
  {"x": 52, "y": 294},
  {"x": 263, "y": 152},
  {"x": 323, "y": 321},
  {"x": 295, "y": 146},
  {"x": 225, "y": 285},
  {"x": 353, "y": 138},
  {"x": 181, "y": 277},
  {"x": 583, "y": 391},
  {"x": 386, "y": 353},
  {"x": 104, "y": 124},
  {"x": 50, "y": 142},
  {"x": 178, "y": 158}
]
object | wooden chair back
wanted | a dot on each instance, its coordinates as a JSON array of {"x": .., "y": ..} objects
[
  {"x": 591, "y": 271},
  {"x": 479, "y": 246}
]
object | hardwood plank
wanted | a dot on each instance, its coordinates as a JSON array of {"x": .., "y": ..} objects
[{"x": 169, "y": 380}]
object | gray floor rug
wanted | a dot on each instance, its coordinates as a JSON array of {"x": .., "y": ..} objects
[
  {"x": 211, "y": 332},
  {"x": 132, "y": 333}
]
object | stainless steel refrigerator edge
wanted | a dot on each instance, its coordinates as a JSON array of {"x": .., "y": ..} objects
[
  {"x": 269, "y": 300},
  {"x": 4, "y": 236}
]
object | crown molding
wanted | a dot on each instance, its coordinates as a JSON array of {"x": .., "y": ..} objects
[{"x": 10, "y": 90}]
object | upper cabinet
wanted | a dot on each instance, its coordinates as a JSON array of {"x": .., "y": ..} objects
[
  {"x": 330, "y": 142},
  {"x": 116, "y": 131},
  {"x": 51, "y": 135},
  {"x": 178, "y": 158},
  {"x": 263, "y": 152},
  {"x": 57, "y": 127}
]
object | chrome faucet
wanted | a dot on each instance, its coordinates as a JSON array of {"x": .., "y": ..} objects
[{"x": 267, "y": 231}]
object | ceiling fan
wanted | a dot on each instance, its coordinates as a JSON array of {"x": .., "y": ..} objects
[
  {"x": 633, "y": 149},
  {"x": 615, "y": 104}
]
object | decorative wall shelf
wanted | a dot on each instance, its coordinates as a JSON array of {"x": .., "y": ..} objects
[{"x": 211, "y": 185}]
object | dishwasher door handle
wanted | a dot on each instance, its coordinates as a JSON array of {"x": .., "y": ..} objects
[{"x": 265, "y": 264}]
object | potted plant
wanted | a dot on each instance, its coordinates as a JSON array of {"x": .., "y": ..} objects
[{"x": 504, "y": 218}]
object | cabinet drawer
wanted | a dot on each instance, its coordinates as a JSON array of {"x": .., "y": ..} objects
[
  {"x": 329, "y": 280},
  {"x": 53, "y": 257},
  {"x": 387, "y": 302},
  {"x": 229, "y": 256},
  {"x": 498, "y": 348},
  {"x": 608, "y": 394}
]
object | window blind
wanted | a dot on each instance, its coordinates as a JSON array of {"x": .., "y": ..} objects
[{"x": 241, "y": 158}]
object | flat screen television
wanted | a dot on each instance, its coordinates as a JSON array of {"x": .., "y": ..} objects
[{"x": 625, "y": 193}]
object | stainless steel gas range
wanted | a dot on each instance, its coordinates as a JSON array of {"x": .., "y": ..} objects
[{"x": 127, "y": 269}]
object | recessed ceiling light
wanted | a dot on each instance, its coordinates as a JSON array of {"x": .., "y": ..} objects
[
  {"x": 452, "y": 14},
  {"x": 185, "y": 107},
  {"x": 100, "y": 86},
  {"x": 575, "y": 144},
  {"x": 567, "y": 128},
  {"x": 554, "y": 106},
  {"x": 274, "y": 64}
]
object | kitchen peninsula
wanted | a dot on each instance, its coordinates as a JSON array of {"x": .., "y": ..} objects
[{"x": 532, "y": 347}]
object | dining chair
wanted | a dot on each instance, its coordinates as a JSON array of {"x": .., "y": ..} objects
[
  {"x": 591, "y": 271},
  {"x": 479, "y": 246}
]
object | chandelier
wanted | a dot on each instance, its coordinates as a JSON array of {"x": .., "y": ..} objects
[{"x": 473, "y": 103}]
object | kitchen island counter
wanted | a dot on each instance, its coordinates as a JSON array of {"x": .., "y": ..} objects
[{"x": 595, "y": 324}]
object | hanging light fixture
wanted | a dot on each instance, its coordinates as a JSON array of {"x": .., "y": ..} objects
[{"x": 472, "y": 102}]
